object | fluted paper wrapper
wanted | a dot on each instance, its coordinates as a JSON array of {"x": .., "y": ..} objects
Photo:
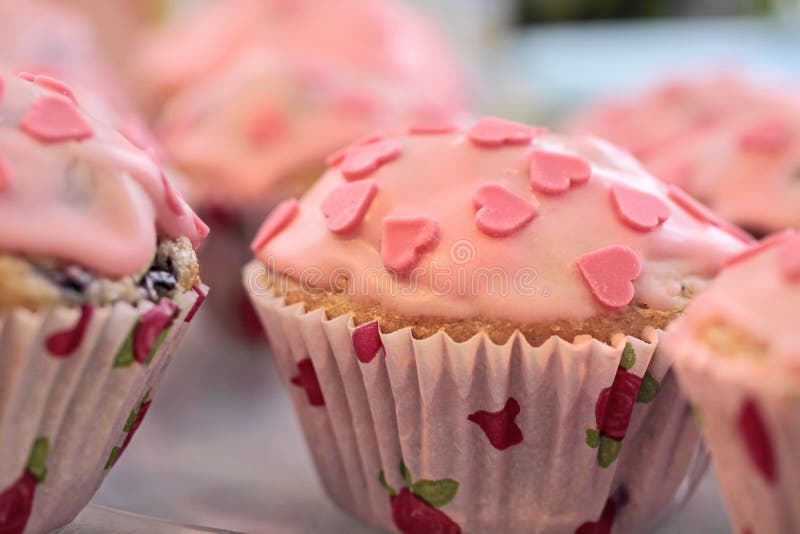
[
  {"x": 750, "y": 418},
  {"x": 68, "y": 406},
  {"x": 418, "y": 403}
]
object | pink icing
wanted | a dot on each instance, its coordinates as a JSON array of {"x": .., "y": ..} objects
[
  {"x": 346, "y": 206},
  {"x": 420, "y": 237},
  {"x": 277, "y": 220},
  {"x": 754, "y": 294},
  {"x": 56, "y": 85},
  {"x": 554, "y": 173},
  {"x": 790, "y": 258},
  {"x": 640, "y": 211},
  {"x": 86, "y": 189},
  {"x": 609, "y": 273},
  {"x": 337, "y": 157},
  {"x": 727, "y": 140},
  {"x": 500, "y": 211},
  {"x": 331, "y": 71},
  {"x": 5, "y": 174}
]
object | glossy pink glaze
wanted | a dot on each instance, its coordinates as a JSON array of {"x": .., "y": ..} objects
[
  {"x": 436, "y": 179},
  {"x": 94, "y": 200},
  {"x": 242, "y": 80},
  {"x": 728, "y": 141}
]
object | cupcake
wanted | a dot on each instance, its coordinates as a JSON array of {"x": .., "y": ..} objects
[
  {"x": 98, "y": 282},
  {"x": 737, "y": 354},
  {"x": 253, "y": 95},
  {"x": 727, "y": 140},
  {"x": 469, "y": 323}
]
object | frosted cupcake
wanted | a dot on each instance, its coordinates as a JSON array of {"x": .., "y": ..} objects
[
  {"x": 253, "y": 95},
  {"x": 737, "y": 352},
  {"x": 98, "y": 281},
  {"x": 728, "y": 141},
  {"x": 469, "y": 324}
]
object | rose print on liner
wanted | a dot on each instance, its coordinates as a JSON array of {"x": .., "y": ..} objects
[
  {"x": 500, "y": 427},
  {"x": 132, "y": 425},
  {"x": 756, "y": 441},
  {"x": 416, "y": 507},
  {"x": 605, "y": 523},
  {"x": 16, "y": 501},
  {"x": 614, "y": 408},
  {"x": 306, "y": 378},
  {"x": 64, "y": 343},
  {"x": 147, "y": 335}
]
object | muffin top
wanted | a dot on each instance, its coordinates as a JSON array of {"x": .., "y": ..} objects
[
  {"x": 749, "y": 311},
  {"x": 732, "y": 143},
  {"x": 259, "y": 91},
  {"x": 76, "y": 191},
  {"x": 497, "y": 220}
]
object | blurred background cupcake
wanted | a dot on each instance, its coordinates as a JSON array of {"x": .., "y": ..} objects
[
  {"x": 250, "y": 97},
  {"x": 98, "y": 282},
  {"x": 468, "y": 320},
  {"x": 729, "y": 140},
  {"x": 737, "y": 352}
]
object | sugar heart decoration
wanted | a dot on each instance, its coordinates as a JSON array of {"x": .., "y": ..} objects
[
  {"x": 278, "y": 219},
  {"x": 5, "y": 174},
  {"x": 770, "y": 136},
  {"x": 53, "y": 119},
  {"x": 790, "y": 258},
  {"x": 337, "y": 157},
  {"x": 493, "y": 132},
  {"x": 363, "y": 160},
  {"x": 405, "y": 239},
  {"x": 53, "y": 84},
  {"x": 175, "y": 202},
  {"x": 692, "y": 206},
  {"x": 202, "y": 228},
  {"x": 367, "y": 341},
  {"x": 500, "y": 211},
  {"x": 346, "y": 206},
  {"x": 554, "y": 173},
  {"x": 640, "y": 210},
  {"x": 609, "y": 272}
]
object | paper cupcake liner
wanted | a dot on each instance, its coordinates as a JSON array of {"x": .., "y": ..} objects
[
  {"x": 73, "y": 388},
  {"x": 411, "y": 434},
  {"x": 750, "y": 418}
]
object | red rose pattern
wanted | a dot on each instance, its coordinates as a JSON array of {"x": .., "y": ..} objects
[
  {"x": 416, "y": 507},
  {"x": 756, "y": 440},
  {"x": 135, "y": 420},
  {"x": 307, "y": 379},
  {"x": 16, "y": 501},
  {"x": 500, "y": 427},
  {"x": 147, "y": 335},
  {"x": 602, "y": 525},
  {"x": 62, "y": 344}
]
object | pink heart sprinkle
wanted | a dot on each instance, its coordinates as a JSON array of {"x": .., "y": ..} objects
[
  {"x": 500, "y": 427},
  {"x": 363, "y": 160},
  {"x": 554, "y": 173},
  {"x": 500, "y": 211},
  {"x": 493, "y": 132},
  {"x": 790, "y": 258},
  {"x": 5, "y": 174},
  {"x": 174, "y": 200},
  {"x": 346, "y": 206},
  {"x": 202, "y": 228},
  {"x": 770, "y": 136},
  {"x": 637, "y": 209},
  {"x": 759, "y": 246},
  {"x": 405, "y": 239},
  {"x": 27, "y": 76},
  {"x": 337, "y": 157},
  {"x": 278, "y": 219},
  {"x": 367, "y": 341},
  {"x": 609, "y": 272},
  {"x": 53, "y": 84},
  {"x": 53, "y": 119}
]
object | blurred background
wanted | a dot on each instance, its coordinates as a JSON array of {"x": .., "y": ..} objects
[{"x": 222, "y": 448}]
